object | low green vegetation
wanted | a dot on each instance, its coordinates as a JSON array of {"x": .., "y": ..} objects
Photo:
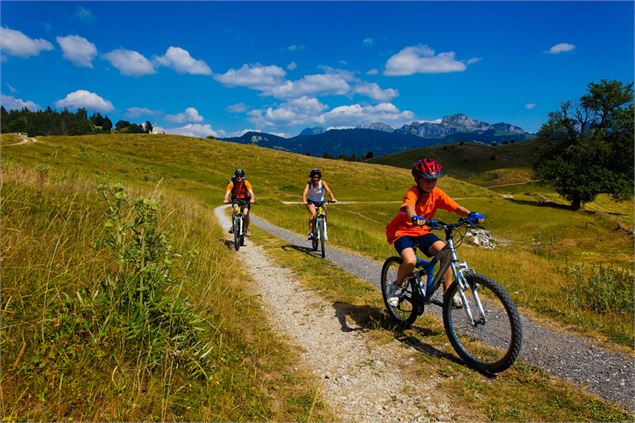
[
  {"x": 536, "y": 396},
  {"x": 51, "y": 214},
  {"x": 124, "y": 310}
]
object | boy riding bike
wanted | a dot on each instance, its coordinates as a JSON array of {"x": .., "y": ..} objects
[
  {"x": 314, "y": 190},
  {"x": 408, "y": 229},
  {"x": 242, "y": 195}
]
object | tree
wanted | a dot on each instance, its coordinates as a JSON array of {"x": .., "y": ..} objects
[
  {"x": 148, "y": 126},
  {"x": 121, "y": 124},
  {"x": 107, "y": 126},
  {"x": 590, "y": 145}
]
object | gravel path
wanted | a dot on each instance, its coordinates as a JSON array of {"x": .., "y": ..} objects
[
  {"x": 608, "y": 374},
  {"x": 359, "y": 382}
]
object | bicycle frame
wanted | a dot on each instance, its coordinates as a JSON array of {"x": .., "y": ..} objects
[{"x": 434, "y": 279}]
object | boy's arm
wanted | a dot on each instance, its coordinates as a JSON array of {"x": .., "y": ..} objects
[
  {"x": 251, "y": 196},
  {"x": 462, "y": 211},
  {"x": 226, "y": 199}
]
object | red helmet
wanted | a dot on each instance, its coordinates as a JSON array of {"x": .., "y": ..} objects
[{"x": 427, "y": 169}]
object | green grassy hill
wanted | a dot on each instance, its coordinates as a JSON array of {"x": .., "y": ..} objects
[
  {"x": 552, "y": 262},
  {"x": 479, "y": 164}
]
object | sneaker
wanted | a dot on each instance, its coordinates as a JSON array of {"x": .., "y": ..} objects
[
  {"x": 310, "y": 236},
  {"x": 456, "y": 301},
  {"x": 394, "y": 293},
  {"x": 247, "y": 232}
]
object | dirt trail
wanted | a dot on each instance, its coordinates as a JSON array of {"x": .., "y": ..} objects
[
  {"x": 575, "y": 358},
  {"x": 360, "y": 381}
]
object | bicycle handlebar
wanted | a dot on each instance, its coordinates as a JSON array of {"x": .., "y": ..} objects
[{"x": 436, "y": 224}]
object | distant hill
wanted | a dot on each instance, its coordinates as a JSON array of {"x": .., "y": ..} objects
[
  {"x": 476, "y": 163},
  {"x": 380, "y": 139}
]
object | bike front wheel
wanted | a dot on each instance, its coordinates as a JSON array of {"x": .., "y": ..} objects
[
  {"x": 322, "y": 232},
  {"x": 407, "y": 310},
  {"x": 237, "y": 234},
  {"x": 490, "y": 340}
]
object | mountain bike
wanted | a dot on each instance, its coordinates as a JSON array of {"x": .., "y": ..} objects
[
  {"x": 485, "y": 330},
  {"x": 319, "y": 235},
  {"x": 238, "y": 226}
]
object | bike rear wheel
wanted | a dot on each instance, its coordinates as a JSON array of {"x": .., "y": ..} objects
[
  {"x": 493, "y": 343},
  {"x": 406, "y": 312},
  {"x": 322, "y": 232}
]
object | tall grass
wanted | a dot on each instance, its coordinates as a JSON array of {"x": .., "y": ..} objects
[
  {"x": 542, "y": 239},
  {"x": 154, "y": 324}
]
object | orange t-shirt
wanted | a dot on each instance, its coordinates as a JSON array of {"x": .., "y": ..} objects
[
  {"x": 427, "y": 205},
  {"x": 241, "y": 191}
]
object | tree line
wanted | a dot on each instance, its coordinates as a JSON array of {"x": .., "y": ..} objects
[{"x": 51, "y": 122}]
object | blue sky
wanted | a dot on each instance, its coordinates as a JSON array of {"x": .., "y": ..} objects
[{"x": 220, "y": 68}]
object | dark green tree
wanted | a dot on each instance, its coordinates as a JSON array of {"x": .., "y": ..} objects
[
  {"x": 148, "y": 126},
  {"x": 121, "y": 125},
  {"x": 107, "y": 126},
  {"x": 590, "y": 145}
]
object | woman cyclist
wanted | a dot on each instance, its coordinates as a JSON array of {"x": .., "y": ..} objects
[
  {"x": 408, "y": 229},
  {"x": 313, "y": 196}
]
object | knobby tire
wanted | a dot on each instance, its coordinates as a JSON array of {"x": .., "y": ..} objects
[
  {"x": 321, "y": 230},
  {"x": 406, "y": 312},
  {"x": 494, "y": 345}
]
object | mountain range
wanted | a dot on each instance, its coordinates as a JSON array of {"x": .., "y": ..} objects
[{"x": 380, "y": 138}]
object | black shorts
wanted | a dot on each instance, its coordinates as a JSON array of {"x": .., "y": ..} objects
[
  {"x": 316, "y": 203},
  {"x": 423, "y": 243},
  {"x": 242, "y": 202}
]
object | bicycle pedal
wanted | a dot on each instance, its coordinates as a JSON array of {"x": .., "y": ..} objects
[{"x": 437, "y": 302}]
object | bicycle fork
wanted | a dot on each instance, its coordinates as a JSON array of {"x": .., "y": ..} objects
[{"x": 458, "y": 269}]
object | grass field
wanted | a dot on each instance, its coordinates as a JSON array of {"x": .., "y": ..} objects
[{"x": 552, "y": 261}]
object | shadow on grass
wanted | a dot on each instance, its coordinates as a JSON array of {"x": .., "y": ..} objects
[
  {"x": 540, "y": 204},
  {"x": 305, "y": 250},
  {"x": 371, "y": 318},
  {"x": 230, "y": 244}
]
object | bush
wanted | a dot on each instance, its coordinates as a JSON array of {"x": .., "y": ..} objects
[{"x": 602, "y": 289}]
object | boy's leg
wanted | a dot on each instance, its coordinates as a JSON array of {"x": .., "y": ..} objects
[
  {"x": 246, "y": 214},
  {"x": 409, "y": 260}
]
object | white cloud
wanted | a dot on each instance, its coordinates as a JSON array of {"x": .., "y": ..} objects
[
  {"x": 181, "y": 61},
  {"x": 137, "y": 112},
  {"x": 318, "y": 84},
  {"x": 78, "y": 50},
  {"x": 129, "y": 62},
  {"x": 196, "y": 130},
  {"x": 190, "y": 115},
  {"x": 299, "y": 111},
  {"x": 356, "y": 114},
  {"x": 296, "y": 47},
  {"x": 86, "y": 100},
  {"x": 561, "y": 48},
  {"x": 310, "y": 111},
  {"x": 237, "y": 108},
  {"x": 15, "y": 43},
  {"x": 84, "y": 14},
  {"x": 473, "y": 60},
  {"x": 368, "y": 41},
  {"x": 374, "y": 91},
  {"x": 256, "y": 76},
  {"x": 422, "y": 59},
  {"x": 12, "y": 103},
  {"x": 292, "y": 66},
  {"x": 530, "y": 106},
  {"x": 12, "y": 88},
  {"x": 372, "y": 72}
]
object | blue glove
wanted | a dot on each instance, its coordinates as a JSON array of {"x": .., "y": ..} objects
[
  {"x": 416, "y": 219},
  {"x": 474, "y": 217}
]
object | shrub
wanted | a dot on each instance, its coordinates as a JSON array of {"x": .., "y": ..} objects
[{"x": 602, "y": 289}]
